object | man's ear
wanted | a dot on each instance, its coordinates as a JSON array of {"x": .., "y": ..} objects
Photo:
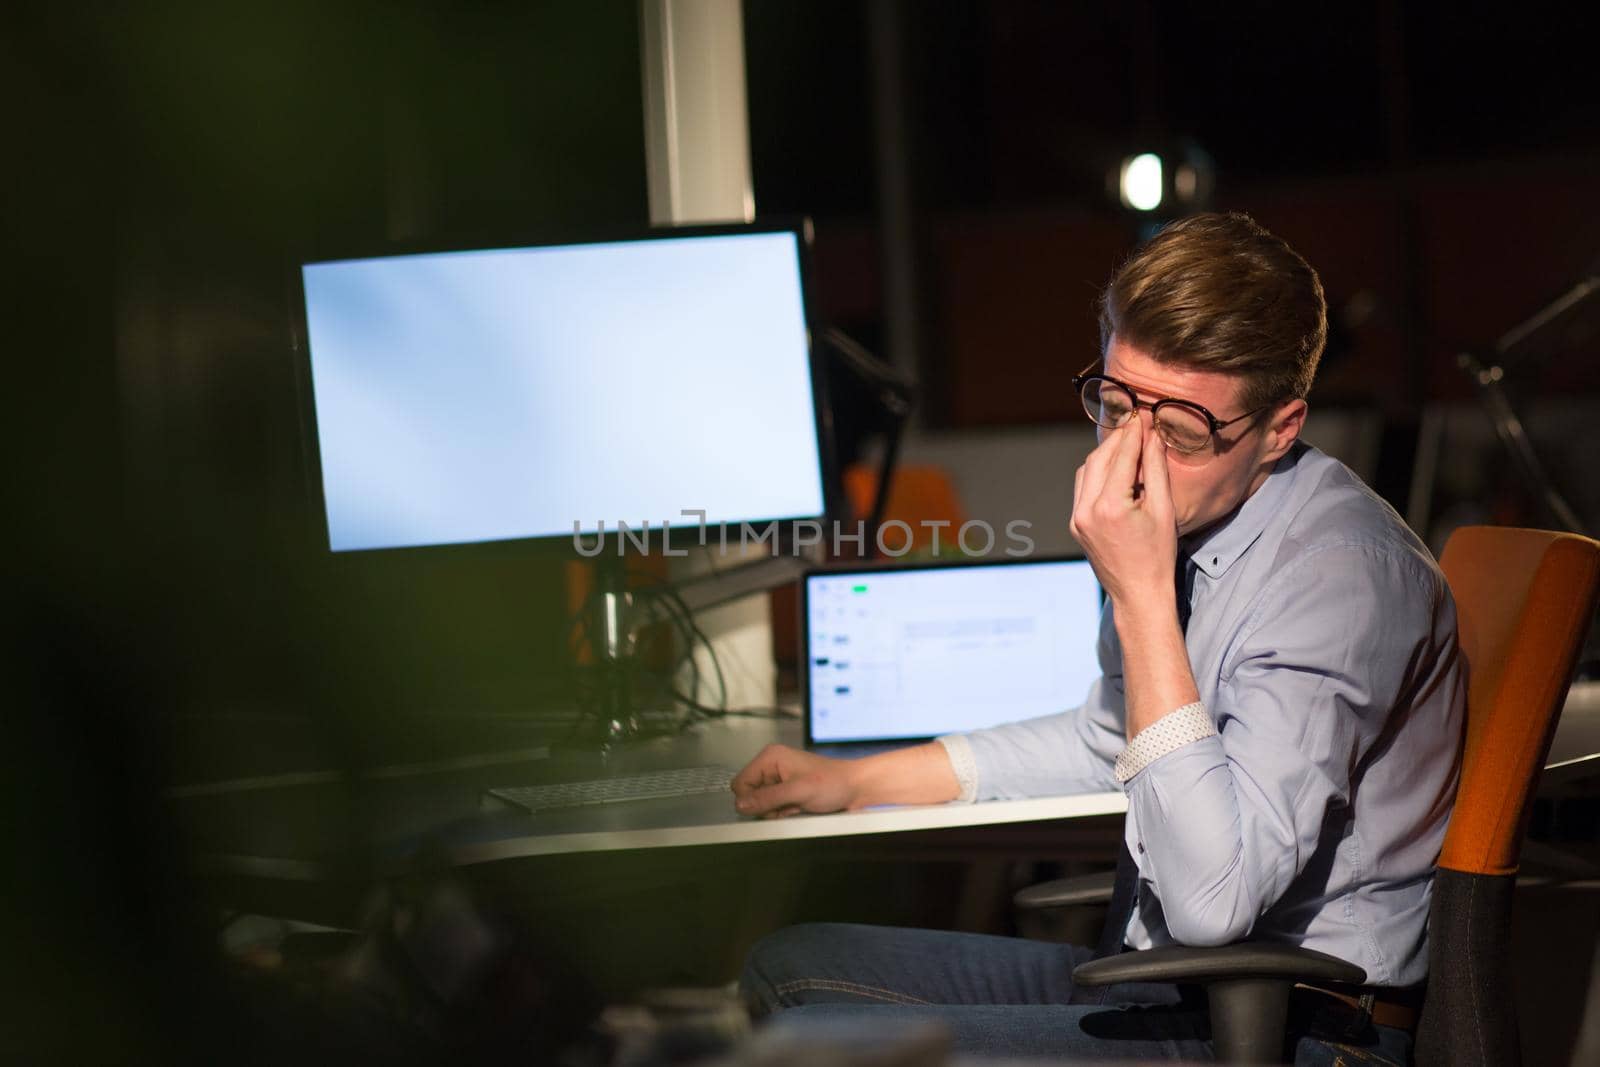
[{"x": 1288, "y": 419}]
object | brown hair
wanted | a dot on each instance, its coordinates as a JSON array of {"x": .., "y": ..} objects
[{"x": 1219, "y": 292}]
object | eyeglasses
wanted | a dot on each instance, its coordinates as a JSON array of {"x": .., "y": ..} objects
[{"x": 1184, "y": 425}]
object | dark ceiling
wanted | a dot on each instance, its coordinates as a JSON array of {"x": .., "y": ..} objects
[{"x": 1020, "y": 101}]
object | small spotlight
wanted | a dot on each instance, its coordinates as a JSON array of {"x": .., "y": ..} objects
[
  {"x": 1141, "y": 184},
  {"x": 1172, "y": 178}
]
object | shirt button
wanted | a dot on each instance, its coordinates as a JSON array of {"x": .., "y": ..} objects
[{"x": 1141, "y": 848}]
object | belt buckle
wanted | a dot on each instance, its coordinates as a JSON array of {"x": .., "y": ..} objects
[
  {"x": 1364, "y": 1004},
  {"x": 1343, "y": 1017}
]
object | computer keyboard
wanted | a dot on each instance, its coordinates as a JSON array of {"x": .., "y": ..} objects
[{"x": 686, "y": 781}]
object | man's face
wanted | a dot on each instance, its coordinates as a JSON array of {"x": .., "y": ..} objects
[{"x": 1209, "y": 484}]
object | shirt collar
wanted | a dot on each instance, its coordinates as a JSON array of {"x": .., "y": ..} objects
[{"x": 1214, "y": 550}]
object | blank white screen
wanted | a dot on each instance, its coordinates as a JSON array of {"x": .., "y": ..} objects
[{"x": 479, "y": 396}]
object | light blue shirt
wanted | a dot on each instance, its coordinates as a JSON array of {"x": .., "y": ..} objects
[{"x": 1323, "y": 643}]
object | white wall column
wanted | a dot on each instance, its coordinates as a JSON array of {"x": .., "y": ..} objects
[{"x": 696, "y": 122}]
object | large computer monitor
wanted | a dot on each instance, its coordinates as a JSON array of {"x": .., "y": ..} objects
[{"x": 540, "y": 392}]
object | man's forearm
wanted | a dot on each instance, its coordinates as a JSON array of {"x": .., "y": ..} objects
[
  {"x": 1156, "y": 676},
  {"x": 921, "y": 774}
]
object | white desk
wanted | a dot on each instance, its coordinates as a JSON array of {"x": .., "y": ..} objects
[
  {"x": 687, "y": 824},
  {"x": 711, "y": 820}
]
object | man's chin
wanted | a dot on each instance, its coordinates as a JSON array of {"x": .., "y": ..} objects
[{"x": 1197, "y": 524}]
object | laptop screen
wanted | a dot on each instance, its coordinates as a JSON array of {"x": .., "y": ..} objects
[{"x": 913, "y": 652}]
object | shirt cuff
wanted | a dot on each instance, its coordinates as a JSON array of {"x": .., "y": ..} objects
[
  {"x": 1172, "y": 731},
  {"x": 962, "y": 762}
]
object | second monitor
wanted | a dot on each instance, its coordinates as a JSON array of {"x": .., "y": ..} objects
[{"x": 901, "y": 653}]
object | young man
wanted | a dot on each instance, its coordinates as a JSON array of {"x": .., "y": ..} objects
[{"x": 1282, "y": 695}]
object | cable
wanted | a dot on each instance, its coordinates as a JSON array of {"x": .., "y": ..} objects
[
  {"x": 652, "y": 604},
  {"x": 686, "y": 616},
  {"x": 663, "y": 694}
]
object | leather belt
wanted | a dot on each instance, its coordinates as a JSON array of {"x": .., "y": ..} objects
[{"x": 1381, "y": 1009}]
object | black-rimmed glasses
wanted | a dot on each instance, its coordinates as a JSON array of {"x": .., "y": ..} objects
[{"x": 1184, "y": 425}]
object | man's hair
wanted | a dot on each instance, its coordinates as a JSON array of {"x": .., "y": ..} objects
[{"x": 1221, "y": 293}]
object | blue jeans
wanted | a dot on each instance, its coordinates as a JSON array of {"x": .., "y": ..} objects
[{"x": 1008, "y": 996}]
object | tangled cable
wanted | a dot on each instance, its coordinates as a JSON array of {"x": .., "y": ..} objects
[{"x": 658, "y": 672}]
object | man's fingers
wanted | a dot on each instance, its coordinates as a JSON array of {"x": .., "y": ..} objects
[
  {"x": 1122, "y": 472},
  {"x": 763, "y": 770},
  {"x": 1157, "y": 483},
  {"x": 783, "y": 813},
  {"x": 772, "y": 799},
  {"x": 1094, "y": 468},
  {"x": 750, "y": 776}
]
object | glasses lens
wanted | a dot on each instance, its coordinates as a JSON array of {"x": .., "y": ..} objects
[
  {"x": 1183, "y": 428},
  {"x": 1107, "y": 403}
]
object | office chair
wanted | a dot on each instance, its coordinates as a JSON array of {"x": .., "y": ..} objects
[
  {"x": 917, "y": 492},
  {"x": 1525, "y": 600}
]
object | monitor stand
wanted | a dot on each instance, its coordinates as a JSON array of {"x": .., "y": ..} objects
[{"x": 610, "y": 641}]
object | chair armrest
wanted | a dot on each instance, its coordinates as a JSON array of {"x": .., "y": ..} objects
[
  {"x": 1247, "y": 986},
  {"x": 1246, "y": 959},
  {"x": 1067, "y": 892}
]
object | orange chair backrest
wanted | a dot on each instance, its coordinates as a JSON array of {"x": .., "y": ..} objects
[
  {"x": 1525, "y": 600},
  {"x": 918, "y": 491}
]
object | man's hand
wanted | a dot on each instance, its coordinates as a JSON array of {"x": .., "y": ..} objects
[
  {"x": 1123, "y": 516},
  {"x": 785, "y": 781},
  {"x": 1130, "y": 534}
]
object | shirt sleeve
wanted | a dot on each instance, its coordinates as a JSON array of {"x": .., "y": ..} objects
[
  {"x": 1069, "y": 752},
  {"x": 1172, "y": 731},
  {"x": 1226, "y": 822},
  {"x": 959, "y": 751}
]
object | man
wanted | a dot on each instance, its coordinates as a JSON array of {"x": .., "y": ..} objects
[{"x": 1282, "y": 695}]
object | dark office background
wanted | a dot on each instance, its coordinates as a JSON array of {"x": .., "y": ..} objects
[{"x": 167, "y": 161}]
